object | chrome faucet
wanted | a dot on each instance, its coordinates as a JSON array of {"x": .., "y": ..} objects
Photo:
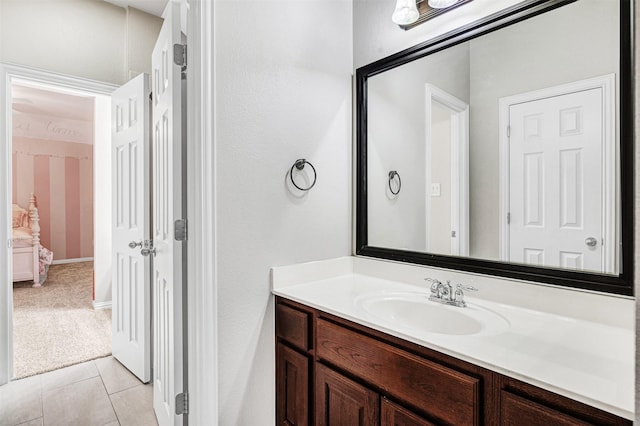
[{"x": 443, "y": 293}]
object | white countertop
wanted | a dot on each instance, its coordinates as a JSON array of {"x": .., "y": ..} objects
[{"x": 591, "y": 362}]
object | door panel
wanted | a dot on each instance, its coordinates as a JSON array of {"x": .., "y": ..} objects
[
  {"x": 167, "y": 207},
  {"x": 131, "y": 290},
  {"x": 555, "y": 203}
]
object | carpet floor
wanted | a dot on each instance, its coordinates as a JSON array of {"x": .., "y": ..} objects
[{"x": 55, "y": 325}]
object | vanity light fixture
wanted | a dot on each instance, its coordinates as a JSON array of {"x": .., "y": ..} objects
[
  {"x": 441, "y": 4},
  {"x": 410, "y": 13},
  {"x": 406, "y": 12}
]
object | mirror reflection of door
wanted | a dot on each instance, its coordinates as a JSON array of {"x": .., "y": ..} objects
[
  {"x": 558, "y": 191},
  {"x": 446, "y": 173}
]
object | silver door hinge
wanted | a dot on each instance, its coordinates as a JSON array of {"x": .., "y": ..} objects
[
  {"x": 180, "y": 57},
  {"x": 453, "y": 234},
  {"x": 182, "y": 403},
  {"x": 508, "y": 131},
  {"x": 180, "y": 230},
  {"x": 508, "y": 218}
]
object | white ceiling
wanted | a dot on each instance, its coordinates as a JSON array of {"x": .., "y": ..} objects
[
  {"x": 39, "y": 101},
  {"x": 154, "y": 7},
  {"x": 40, "y": 113}
]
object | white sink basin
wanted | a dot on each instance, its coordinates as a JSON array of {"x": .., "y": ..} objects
[{"x": 415, "y": 311}]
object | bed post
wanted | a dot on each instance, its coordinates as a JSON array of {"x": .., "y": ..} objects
[{"x": 35, "y": 233}]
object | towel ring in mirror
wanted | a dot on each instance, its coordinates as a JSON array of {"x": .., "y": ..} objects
[
  {"x": 394, "y": 174},
  {"x": 299, "y": 165}
]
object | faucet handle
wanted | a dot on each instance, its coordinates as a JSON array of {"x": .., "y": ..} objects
[
  {"x": 466, "y": 287},
  {"x": 459, "y": 297},
  {"x": 434, "y": 284}
]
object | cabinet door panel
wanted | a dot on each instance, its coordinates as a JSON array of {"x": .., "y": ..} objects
[
  {"x": 292, "y": 383},
  {"x": 343, "y": 402},
  {"x": 518, "y": 411},
  {"x": 394, "y": 415}
]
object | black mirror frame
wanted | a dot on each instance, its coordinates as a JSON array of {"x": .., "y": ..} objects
[{"x": 623, "y": 283}]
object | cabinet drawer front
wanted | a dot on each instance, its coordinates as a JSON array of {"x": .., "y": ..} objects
[
  {"x": 518, "y": 411},
  {"x": 292, "y": 325},
  {"x": 448, "y": 395}
]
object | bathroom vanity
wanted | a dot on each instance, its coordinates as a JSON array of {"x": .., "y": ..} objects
[{"x": 340, "y": 362}]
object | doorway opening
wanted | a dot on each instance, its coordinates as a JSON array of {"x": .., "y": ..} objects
[
  {"x": 60, "y": 317},
  {"x": 50, "y": 160},
  {"x": 447, "y": 173}
]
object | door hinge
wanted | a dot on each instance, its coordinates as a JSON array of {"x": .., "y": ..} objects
[
  {"x": 508, "y": 131},
  {"x": 180, "y": 57},
  {"x": 180, "y": 230},
  {"x": 453, "y": 234},
  {"x": 508, "y": 218},
  {"x": 182, "y": 403}
]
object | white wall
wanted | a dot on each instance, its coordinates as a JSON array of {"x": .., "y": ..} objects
[
  {"x": 84, "y": 38},
  {"x": 102, "y": 209},
  {"x": 440, "y": 167},
  {"x": 283, "y": 92},
  {"x": 636, "y": 238}
]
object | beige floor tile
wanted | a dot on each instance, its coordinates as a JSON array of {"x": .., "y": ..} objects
[
  {"x": 21, "y": 401},
  {"x": 68, "y": 375},
  {"x": 113, "y": 424},
  {"x": 116, "y": 378},
  {"x": 35, "y": 422},
  {"x": 84, "y": 403},
  {"x": 134, "y": 406}
]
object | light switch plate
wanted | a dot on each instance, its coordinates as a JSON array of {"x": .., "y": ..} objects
[{"x": 435, "y": 189}]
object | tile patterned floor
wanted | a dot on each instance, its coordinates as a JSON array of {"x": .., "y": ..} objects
[{"x": 95, "y": 393}]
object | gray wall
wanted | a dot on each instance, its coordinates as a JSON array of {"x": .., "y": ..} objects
[
  {"x": 83, "y": 38},
  {"x": 516, "y": 60},
  {"x": 396, "y": 131}
]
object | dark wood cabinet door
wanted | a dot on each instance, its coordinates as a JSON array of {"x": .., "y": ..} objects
[
  {"x": 343, "y": 402},
  {"x": 292, "y": 387},
  {"x": 395, "y": 415},
  {"x": 518, "y": 411}
]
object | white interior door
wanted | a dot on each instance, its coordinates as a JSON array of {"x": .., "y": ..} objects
[
  {"x": 167, "y": 208},
  {"x": 555, "y": 181},
  {"x": 131, "y": 289}
]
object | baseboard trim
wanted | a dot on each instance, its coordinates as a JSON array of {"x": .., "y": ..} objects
[
  {"x": 101, "y": 305},
  {"x": 80, "y": 259}
]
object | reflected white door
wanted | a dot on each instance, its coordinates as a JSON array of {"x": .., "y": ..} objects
[
  {"x": 556, "y": 191},
  {"x": 167, "y": 207},
  {"x": 131, "y": 290}
]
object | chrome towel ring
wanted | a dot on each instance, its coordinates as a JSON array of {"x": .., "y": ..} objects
[
  {"x": 394, "y": 174},
  {"x": 299, "y": 165}
]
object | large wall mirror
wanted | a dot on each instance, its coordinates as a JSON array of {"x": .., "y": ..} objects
[{"x": 505, "y": 147}]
